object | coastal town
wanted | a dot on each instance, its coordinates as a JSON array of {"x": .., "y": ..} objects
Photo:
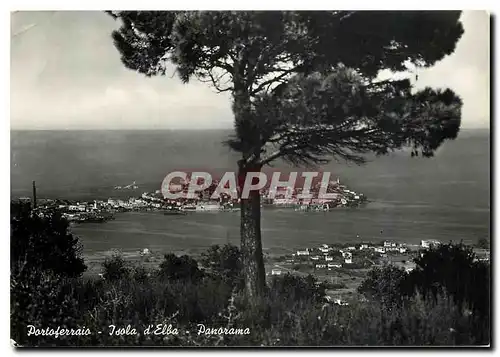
[
  {"x": 283, "y": 197},
  {"x": 358, "y": 255},
  {"x": 343, "y": 266}
]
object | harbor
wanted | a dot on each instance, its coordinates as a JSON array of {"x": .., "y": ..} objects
[{"x": 101, "y": 211}]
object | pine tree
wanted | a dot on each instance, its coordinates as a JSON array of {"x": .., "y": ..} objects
[{"x": 304, "y": 85}]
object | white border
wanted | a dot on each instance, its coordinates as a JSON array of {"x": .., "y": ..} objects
[
  {"x": 186, "y": 4},
  {"x": 253, "y": 5}
]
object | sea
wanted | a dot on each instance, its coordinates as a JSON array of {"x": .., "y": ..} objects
[{"x": 446, "y": 197}]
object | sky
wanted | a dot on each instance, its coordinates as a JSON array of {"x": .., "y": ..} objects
[{"x": 66, "y": 74}]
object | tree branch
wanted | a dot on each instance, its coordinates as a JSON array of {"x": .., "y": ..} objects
[
  {"x": 273, "y": 80},
  {"x": 216, "y": 82}
]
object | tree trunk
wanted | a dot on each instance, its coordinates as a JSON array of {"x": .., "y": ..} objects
[
  {"x": 249, "y": 135},
  {"x": 251, "y": 242}
]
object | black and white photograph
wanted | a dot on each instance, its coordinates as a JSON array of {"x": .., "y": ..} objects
[{"x": 260, "y": 179}]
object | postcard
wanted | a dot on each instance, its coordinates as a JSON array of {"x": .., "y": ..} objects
[{"x": 250, "y": 179}]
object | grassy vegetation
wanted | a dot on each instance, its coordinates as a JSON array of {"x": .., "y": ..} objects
[{"x": 292, "y": 312}]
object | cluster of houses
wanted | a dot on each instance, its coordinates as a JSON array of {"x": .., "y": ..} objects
[
  {"x": 147, "y": 200},
  {"x": 326, "y": 261},
  {"x": 288, "y": 196},
  {"x": 323, "y": 257},
  {"x": 98, "y": 210},
  {"x": 282, "y": 196},
  {"x": 328, "y": 257}
]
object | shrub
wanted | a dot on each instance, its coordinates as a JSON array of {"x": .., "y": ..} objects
[
  {"x": 141, "y": 274},
  {"x": 179, "y": 268},
  {"x": 483, "y": 243},
  {"x": 337, "y": 286},
  {"x": 225, "y": 262},
  {"x": 384, "y": 285},
  {"x": 297, "y": 288},
  {"x": 453, "y": 267},
  {"x": 45, "y": 262},
  {"x": 449, "y": 269},
  {"x": 115, "y": 268},
  {"x": 42, "y": 243},
  {"x": 44, "y": 300}
]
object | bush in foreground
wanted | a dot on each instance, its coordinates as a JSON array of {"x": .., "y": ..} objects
[{"x": 291, "y": 314}]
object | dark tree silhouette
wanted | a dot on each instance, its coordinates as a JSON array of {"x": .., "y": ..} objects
[
  {"x": 384, "y": 285},
  {"x": 42, "y": 243},
  {"x": 450, "y": 269},
  {"x": 179, "y": 268},
  {"x": 454, "y": 267},
  {"x": 483, "y": 243},
  {"x": 43, "y": 253},
  {"x": 225, "y": 262},
  {"x": 115, "y": 268},
  {"x": 296, "y": 288},
  {"x": 304, "y": 85}
]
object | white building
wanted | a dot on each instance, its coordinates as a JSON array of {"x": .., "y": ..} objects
[
  {"x": 380, "y": 249},
  {"x": 348, "y": 260},
  {"x": 320, "y": 266},
  {"x": 347, "y": 255},
  {"x": 363, "y": 246},
  {"x": 332, "y": 265},
  {"x": 276, "y": 272},
  {"x": 340, "y": 302},
  {"x": 315, "y": 257},
  {"x": 429, "y": 243},
  {"x": 303, "y": 252},
  {"x": 328, "y": 258}
]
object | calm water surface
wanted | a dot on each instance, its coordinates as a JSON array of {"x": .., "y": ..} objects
[{"x": 446, "y": 197}]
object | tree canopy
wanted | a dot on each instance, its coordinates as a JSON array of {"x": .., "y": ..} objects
[
  {"x": 42, "y": 244},
  {"x": 224, "y": 262},
  {"x": 305, "y": 83},
  {"x": 455, "y": 268},
  {"x": 183, "y": 267},
  {"x": 449, "y": 268}
]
